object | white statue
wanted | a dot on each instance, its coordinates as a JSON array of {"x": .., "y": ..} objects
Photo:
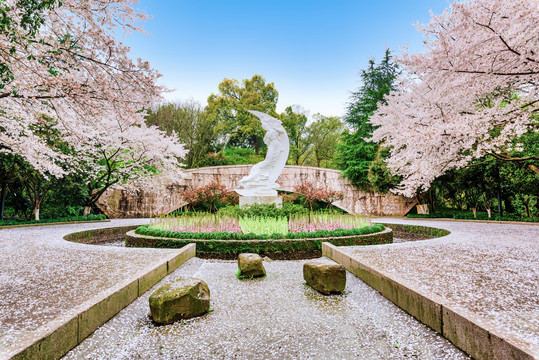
[{"x": 261, "y": 179}]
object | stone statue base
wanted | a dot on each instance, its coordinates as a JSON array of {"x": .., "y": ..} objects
[{"x": 250, "y": 200}]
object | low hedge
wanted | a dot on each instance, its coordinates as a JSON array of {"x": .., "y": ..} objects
[
  {"x": 145, "y": 230},
  {"x": 469, "y": 216},
  {"x": 264, "y": 210},
  {"x": 49, "y": 221},
  {"x": 276, "y": 248}
]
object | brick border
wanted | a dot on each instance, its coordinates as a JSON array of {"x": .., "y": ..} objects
[
  {"x": 477, "y": 337},
  {"x": 56, "y": 338}
]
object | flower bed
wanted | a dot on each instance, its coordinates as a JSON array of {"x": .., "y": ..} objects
[{"x": 293, "y": 245}]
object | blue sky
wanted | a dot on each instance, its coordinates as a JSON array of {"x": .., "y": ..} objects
[{"x": 312, "y": 50}]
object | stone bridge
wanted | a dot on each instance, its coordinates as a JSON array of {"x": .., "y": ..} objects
[{"x": 123, "y": 204}]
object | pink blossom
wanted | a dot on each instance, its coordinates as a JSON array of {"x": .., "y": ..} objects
[{"x": 479, "y": 73}]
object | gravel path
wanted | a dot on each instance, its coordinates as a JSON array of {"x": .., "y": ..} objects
[
  {"x": 277, "y": 317},
  {"x": 42, "y": 275},
  {"x": 488, "y": 268}
]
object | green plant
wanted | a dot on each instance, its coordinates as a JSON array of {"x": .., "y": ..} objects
[
  {"x": 243, "y": 277},
  {"x": 264, "y": 225},
  {"x": 48, "y": 221},
  {"x": 239, "y": 275},
  {"x": 264, "y": 210}
]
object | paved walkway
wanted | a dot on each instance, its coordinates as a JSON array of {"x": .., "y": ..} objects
[
  {"x": 487, "y": 268},
  {"x": 42, "y": 275},
  {"x": 277, "y": 317},
  {"x": 490, "y": 269}
]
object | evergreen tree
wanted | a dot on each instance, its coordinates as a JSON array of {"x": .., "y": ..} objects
[{"x": 356, "y": 154}]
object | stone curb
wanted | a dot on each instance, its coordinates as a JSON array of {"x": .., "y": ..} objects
[
  {"x": 66, "y": 331},
  {"x": 54, "y": 223},
  {"x": 475, "y": 336}
]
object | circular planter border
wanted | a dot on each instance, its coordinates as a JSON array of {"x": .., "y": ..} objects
[
  {"x": 99, "y": 236},
  {"x": 278, "y": 249}
]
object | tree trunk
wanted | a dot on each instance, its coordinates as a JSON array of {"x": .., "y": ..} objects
[
  {"x": 499, "y": 191},
  {"x": 534, "y": 168},
  {"x": 36, "y": 213},
  {"x": 431, "y": 200},
  {"x": 488, "y": 212},
  {"x": 474, "y": 212},
  {"x": 3, "y": 200},
  {"x": 527, "y": 206},
  {"x": 87, "y": 210},
  {"x": 255, "y": 142}
]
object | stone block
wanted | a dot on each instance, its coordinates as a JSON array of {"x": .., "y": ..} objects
[
  {"x": 151, "y": 278},
  {"x": 183, "y": 298},
  {"x": 187, "y": 252},
  {"x": 466, "y": 334},
  {"x": 104, "y": 309},
  {"x": 251, "y": 265},
  {"x": 324, "y": 275},
  {"x": 250, "y": 200}
]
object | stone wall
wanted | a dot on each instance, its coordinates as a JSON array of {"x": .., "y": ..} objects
[{"x": 124, "y": 204}]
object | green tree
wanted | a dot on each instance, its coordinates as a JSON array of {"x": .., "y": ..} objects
[
  {"x": 229, "y": 110},
  {"x": 294, "y": 120},
  {"x": 194, "y": 128},
  {"x": 241, "y": 156},
  {"x": 379, "y": 176},
  {"x": 356, "y": 154},
  {"x": 323, "y": 136},
  {"x": 521, "y": 184}
]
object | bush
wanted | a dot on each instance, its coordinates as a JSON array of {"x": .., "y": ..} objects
[
  {"x": 48, "y": 221},
  {"x": 264, "y": 210},
  {"x": 211, "y": 196},
  {"x": 468, "y": 215},
  {"x": 241, "y": 156}
]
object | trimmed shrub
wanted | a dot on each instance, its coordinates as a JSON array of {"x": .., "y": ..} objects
[
  {"x": 90, "y": 217},
  {"x": 145, "y": 230},
  {"x": 264, "y": 210}
]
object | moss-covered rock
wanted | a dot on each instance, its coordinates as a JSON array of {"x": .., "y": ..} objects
[
  {"x": 183, "y": 298},
  {"x": 325, "y": 275},
  {"x": 251, "y": 265}
]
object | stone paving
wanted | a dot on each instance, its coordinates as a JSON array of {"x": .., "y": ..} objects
[
  {"x": 489, "y": 269},
  {"x": 276, "y": 317},
  {"x": 42, "y": 275}
]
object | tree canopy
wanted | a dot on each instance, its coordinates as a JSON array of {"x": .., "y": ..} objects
[
  {"x": 229, "y": 109},
  {"x": 65, "y": 62},
  {"x": 357, "y": 153},
  {"x": 473, "y": 93}
]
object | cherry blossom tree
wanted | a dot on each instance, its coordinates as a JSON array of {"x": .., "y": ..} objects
[
  {"x": 125, "y": 157},
  {"x": 474, "y": 92},
  {"x": 75, "y": 70}
]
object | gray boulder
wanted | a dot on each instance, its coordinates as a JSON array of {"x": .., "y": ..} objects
[
  {"x": 325, "y": 275},
  {"x": 251, "y": 265},
  {"x": 183, "y": 298}
]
